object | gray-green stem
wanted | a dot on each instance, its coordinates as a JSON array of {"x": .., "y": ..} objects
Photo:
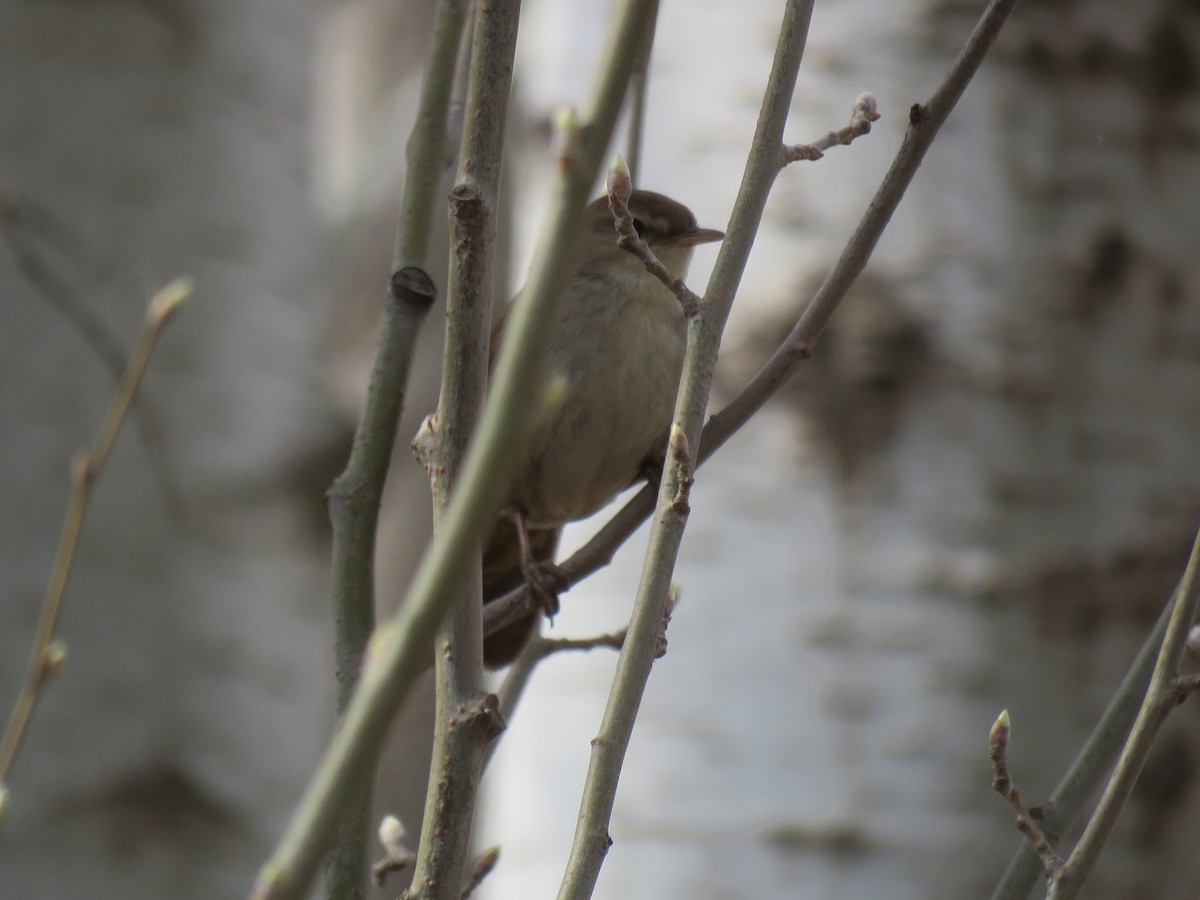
[
  {"x": 1162, "y": 696},
  {"x": 1090, "y": 766},
  {"x": 592, "y": 839},
  {"x": 466, "y": 719},
  {"x": 356, "y": 495},
  {"x": 44, "y": 659},
  {"x": 639, "y": 90}
]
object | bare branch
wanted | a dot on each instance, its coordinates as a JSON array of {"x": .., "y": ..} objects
[
  {"x": 481, "y": 867},
  {"x": 866, "y": 111},
  {"x": 356, "y": 495},
  {"x": 20, "y": 221},
  {"x": 1162, "y": 696},
  {"x": 1089, "y": 768},
  {"x": 639, "y": 90},
  {"x": 1003, "y": 784},
  {"x": 592, "y": 839},
  {"x": 48, "y": 653},
  {"x": 466, "y": 717}
]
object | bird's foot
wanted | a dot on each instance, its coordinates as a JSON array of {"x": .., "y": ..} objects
[{"x": 545, "y": 580}]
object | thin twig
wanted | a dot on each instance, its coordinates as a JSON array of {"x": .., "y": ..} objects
[
  {"x": 19, "y": 221},
  {"x": 639, "y": 90},
  {"x": 613, "y": 640},
  {"x": 620, "y": 188},
  {"x": 458, "y": 93},
  {"x": 48, "y": 654},
  {"x": 398, "y": 856},
  {"x": 1161, "y": 697},
  {"x": 389, "y": 865},
  {"x": 481, "y": 868},
  {"x": 1187, "y": 684},
  {"x": 1090, "y": 766},
  {"x": 354, "y": 501},
  {"x": 865, "y": 111},
  {"x": 536, "y": 649},
  {"x": 399, "y": 648},
  {"x": 356, "y": 495},
  {"x": 1003, "y": 784}
]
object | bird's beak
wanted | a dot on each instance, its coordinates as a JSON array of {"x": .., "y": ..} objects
[{"x": 694, "y": 237}]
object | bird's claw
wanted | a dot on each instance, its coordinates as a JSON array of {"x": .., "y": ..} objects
[{"x": 545, "y": 580}]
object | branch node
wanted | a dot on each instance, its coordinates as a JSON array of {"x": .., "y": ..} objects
[
  {"x": 488, "y": 717},
  {"x": 481, "y": 867},
  {"x": 1185, "y": 686},
  {"x": 466, "y": 200},
  {"x": 53, "y": 659},
  {"x": 411, "y": 286},
  {"x": 568, "y": 138},
  {"x": 425, "y": 442},
  {"x": 681, "y": 465}
]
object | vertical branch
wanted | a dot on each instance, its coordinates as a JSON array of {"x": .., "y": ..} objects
[
  {"x": 425, "y": 154},
  {"x": 356, "y": 495},
  {"x": 399, "y": 648},
  {"x": 592, "y": 840},
  {"x": 639, "y": 89},
  {"x": 466, "y": 719}
]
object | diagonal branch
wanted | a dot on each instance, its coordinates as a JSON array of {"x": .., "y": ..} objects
[
  {"x": 48, "y": 654},
  {"x": 1162, "y": 696},
  {"x": 21, "y": 221},
  {"x": 466, "y": 718},
  {"x": 592, "y": 840}
]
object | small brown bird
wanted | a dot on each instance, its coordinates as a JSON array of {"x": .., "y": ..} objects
[{"x": 617, "y": 347}]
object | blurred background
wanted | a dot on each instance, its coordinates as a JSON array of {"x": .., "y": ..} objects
[{"x": 978, "y": 494}]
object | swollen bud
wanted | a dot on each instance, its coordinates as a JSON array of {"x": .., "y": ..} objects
[
  {"x": 392, "y": 835},
  {"x": 1001, "y": 728},
  {"x": 619, "y": 181},
  {"x": 867, "y": 106},
  {"x": 53, "y": 657},
  {"x": 567, "y": 136},
  {"x": 169, "y": 299}
]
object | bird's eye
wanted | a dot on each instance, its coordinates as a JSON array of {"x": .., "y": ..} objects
[{"x": 639, "y": 226}]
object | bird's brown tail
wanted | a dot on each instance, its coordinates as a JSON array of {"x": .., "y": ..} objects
[{"x": 501, "y": 574}]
